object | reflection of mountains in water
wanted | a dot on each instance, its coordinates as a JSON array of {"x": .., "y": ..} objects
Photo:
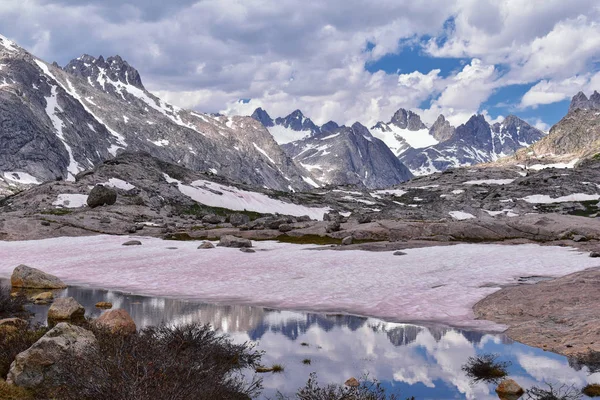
[{"x": 255, "y": 321}]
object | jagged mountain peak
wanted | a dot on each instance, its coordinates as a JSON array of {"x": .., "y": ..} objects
[
  {"x": 96, "y": 70},
  {"x": 406, "y": 119},
  {"x": 330, "y": 126},
  {"x": 581, "y": 101},
  {"x": 441, "y": 129},
  {"x": 263, "y": 117}
]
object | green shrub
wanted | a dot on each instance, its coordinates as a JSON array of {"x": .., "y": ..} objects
[{"x": 485, "y": 368}]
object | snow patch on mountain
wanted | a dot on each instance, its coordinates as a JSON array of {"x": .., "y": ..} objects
[{"x": 217, "y": 195}]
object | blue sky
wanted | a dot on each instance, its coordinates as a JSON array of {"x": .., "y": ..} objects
[{"x": 342, "y": 60}]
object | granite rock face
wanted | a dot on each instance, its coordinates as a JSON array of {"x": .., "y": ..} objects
[{"x": 58, "y": 122}]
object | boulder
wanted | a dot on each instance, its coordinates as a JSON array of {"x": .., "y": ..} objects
[
  {"x": 347, "y": 241},
  {"x": 399, "y": 253},
  {"x": 333, "y": 226},
  {"x": 206, "y": 245},
  {"x": 40, "y": 363},
  {"x": 65, "y": 309},
  {"x": 595, "y": 254},
  {"x": 363, "y": 219},
  {"x": 579, "y": 238},
  {"x": 212, "y": 219},
  {"x": 232, "y": 241},
  {"x": 352, "y": 382},
  {"x": 238, "y": 219},
  {"x": 132, "y": 243},
  {"x": 285, "y": 228},
  {"x": 101, "y": 195},
  {"x": 117, "y": 321},
  {"x": 247, "y": 250},
  {"x": 31, "y": 278},
  {"x": 303, "y": 218},
  {"x": 104, "y": 305},
  {"x": 509, "y": 389}
]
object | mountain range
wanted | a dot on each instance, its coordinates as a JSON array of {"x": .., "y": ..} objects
[{"x": 58, "y": 122}]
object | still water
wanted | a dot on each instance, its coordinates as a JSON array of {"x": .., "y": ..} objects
[{"x": 410, "y": 360}]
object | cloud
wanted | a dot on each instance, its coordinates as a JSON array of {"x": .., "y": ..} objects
[
  {"x": 552, "y": 91},
  {"x": 209, "y": 54}
]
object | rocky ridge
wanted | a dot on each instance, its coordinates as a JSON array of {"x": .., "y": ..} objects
[{"x": 58, "y": 122}]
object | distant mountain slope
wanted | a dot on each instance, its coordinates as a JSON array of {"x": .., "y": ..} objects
[
  {"x": 573, "y": 138},
  {"x": 294, "y": 126},
  {"x": 57, "y": 122},
  {"x": 405, "y": 130},
  {"x": 472, "y": 143},
  {"x": 348, "y": 156}
]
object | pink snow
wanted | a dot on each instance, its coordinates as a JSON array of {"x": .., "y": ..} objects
[{"x": 433, "y": 284}]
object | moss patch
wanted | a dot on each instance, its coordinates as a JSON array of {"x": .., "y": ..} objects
[
  {"x": 200, "y": 210},
  {"x": 56, "y": 211}
]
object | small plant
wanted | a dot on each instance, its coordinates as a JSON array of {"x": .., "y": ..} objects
[
  {"x": 563, "y": 392},
  {"x": 592, "y": 390},
  {"x": 306, "y": 361},
  {"x": 12, "y": 392},
  {"x": 14, "y": 340},
  {"x": 277, "y": 368},
  {"x": 10, "y": 306},
  {"x": 486, "y": 368}
]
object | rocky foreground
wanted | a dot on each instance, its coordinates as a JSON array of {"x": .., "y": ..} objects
[{"x": 138, "y": 194}]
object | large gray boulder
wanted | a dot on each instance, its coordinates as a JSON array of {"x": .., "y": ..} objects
[
  {"x": 32, "y": 278},
  {"x": 65, "y": 309},
  {"x": 232, "y": 241},
  {"x": 39, "y": 365},
  {"x": 238, "y": 219},
  {"x": 101, "y": 195}
]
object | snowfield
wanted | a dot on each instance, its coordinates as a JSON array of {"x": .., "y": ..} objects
[
  {"x": 433, "y": 284},
  {"x": 216, "y": 195}
]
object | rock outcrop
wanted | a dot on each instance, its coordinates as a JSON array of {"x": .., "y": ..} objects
[{"x": 31, "y": 278}]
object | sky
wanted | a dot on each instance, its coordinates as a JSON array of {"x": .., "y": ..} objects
[{"x": 341, "y": 60}]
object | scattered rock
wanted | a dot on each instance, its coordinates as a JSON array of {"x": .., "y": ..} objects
[
  {"x": 333, "y": 227},
  {"x": 352, "y": 382},
  {"x": 104, "y": 305},
  {"x": 285, "y": 228},
  {"x": 32, "y": 278},
  {"x": 363, "y": 219},
  {"x": 509, "y": 389},
  {"x": 232, "y": 241},
  {"x": 238, "y": 219},
  {"x": 65, "y": 309},
  {"x": 133, "y": 229},
  {"x": 579, "y": 238},
  {"x": 39, "y": 364},
  {"x": 132, "y": 243},
  {"x": 399, "y": 253},
  {"x": 45, "y": 223},
  {"x": 303, "y": 218},
  {"x": 117, "y": 321},
  {"x": 206, "y": 245},
  {"x": 101, "y": 195},
  {"x": 105, "y": 220},
  {"x": 347, "y": 241},
  {"x": 212, "y": 219},
  {"x": 595, "y": 254},
  {"x": 247, "y": 250}
]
